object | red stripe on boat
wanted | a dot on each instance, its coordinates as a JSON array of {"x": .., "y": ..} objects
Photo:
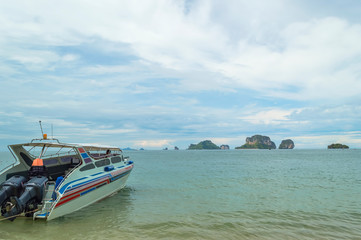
[{"x": 77, "y": 194}]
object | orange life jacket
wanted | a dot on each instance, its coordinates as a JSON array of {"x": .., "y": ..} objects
[{"x": 38, "y": 162}]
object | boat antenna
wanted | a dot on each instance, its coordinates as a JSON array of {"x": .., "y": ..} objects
[{"x": 41, "y": 128}]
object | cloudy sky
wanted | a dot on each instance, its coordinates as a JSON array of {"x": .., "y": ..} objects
[{"x": 167, "y": 73}]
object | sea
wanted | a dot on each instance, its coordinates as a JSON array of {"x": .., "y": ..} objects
[{"x": 219, "y": 194}]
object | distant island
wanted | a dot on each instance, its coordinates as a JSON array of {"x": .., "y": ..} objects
[
  {"x": 128, "y": 149},
  {"x": 258, "y": 142},
  {"x": 207, "y": 144},
  {"x": 337, "y": 146},
  {"x": 287, "y": 144},
  {"x": 225, "y": 147},
  {"x": 131, "y": 149}
]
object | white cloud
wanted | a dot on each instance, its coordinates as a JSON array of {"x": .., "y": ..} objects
[
  {"x": 35, "y": 60},
  {"x": 314, "y": 61},
  {"x": 103, "y": 69},
  {"x": 316, "y": 58},
  {"x": 145, "y": 62},
  {"x": 273, "y": 116},
  {"x": 153, "y": 143},
  {"x": 69, "y": 57}
]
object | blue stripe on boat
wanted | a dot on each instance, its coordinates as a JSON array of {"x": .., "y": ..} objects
[
  {"x": 89, "y": 190},
  {"x": 96, "y": 174},
  {"x": 66, "y": 185}
]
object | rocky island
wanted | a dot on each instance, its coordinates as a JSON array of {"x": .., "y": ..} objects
[
  {"x": 207, "y": 144},
  {"x": 287, "y": 144},
  {"x": 225, "y": 147},
  {"x": 258, "y": 142},
  {"x": 337, "y": 146}
]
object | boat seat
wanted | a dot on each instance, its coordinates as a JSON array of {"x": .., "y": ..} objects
[
  {"x": 74, "y": 162},
  {"x": 35, "y": 171}
]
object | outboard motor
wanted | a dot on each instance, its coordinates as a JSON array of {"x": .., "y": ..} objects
[
  {"x": 14, "y": 186},
  {"x": 29, "y": 200}
]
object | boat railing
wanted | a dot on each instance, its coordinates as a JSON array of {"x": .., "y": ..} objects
[
  {"x": 7, "y": 168},
  {"x": 68, "y": 172},
  {"x": 11, "y": 165},
  {"x": 46, "y": 139},
  {"x": 59, "y": 185},
  {"x": 97, "y": 156}
]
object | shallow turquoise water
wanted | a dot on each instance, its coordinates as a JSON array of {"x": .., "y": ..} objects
[{"x": 235, "y": 194}]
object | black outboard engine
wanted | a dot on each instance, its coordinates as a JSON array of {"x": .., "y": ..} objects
[
  {"x": 14, "y": 186},
  {"x": 29, "y": 200}
]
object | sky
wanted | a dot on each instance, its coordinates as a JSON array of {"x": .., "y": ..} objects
[{"x": 164, "y": 73}]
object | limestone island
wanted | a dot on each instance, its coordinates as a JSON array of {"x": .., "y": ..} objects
[
  {"x": 258, "y": 142},
  {"x": 207, "y": 144},
  {"x": 225, "y": 147},
  {"x": 337, "y": 146},
  {"x": 287, "y": 144}
]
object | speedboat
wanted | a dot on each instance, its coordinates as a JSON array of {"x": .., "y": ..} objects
[{"x": 50, "y": 179}]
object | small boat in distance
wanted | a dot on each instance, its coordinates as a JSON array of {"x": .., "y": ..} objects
[{"x": 50, "y": 179}]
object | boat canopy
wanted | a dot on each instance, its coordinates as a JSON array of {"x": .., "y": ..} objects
[{"x": 87, "y": 147}]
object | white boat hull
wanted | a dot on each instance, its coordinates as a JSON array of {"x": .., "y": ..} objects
[{"x": 88, "y": 198}]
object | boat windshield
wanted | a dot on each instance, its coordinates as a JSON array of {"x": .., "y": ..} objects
[
  {"x": 48, "y": 152},
  {"x": 99, "y": 154}
]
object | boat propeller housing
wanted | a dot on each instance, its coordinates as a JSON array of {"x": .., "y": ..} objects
[
  {"x": 28, "y": 200},
  {"x": 14, "y": 186}
]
